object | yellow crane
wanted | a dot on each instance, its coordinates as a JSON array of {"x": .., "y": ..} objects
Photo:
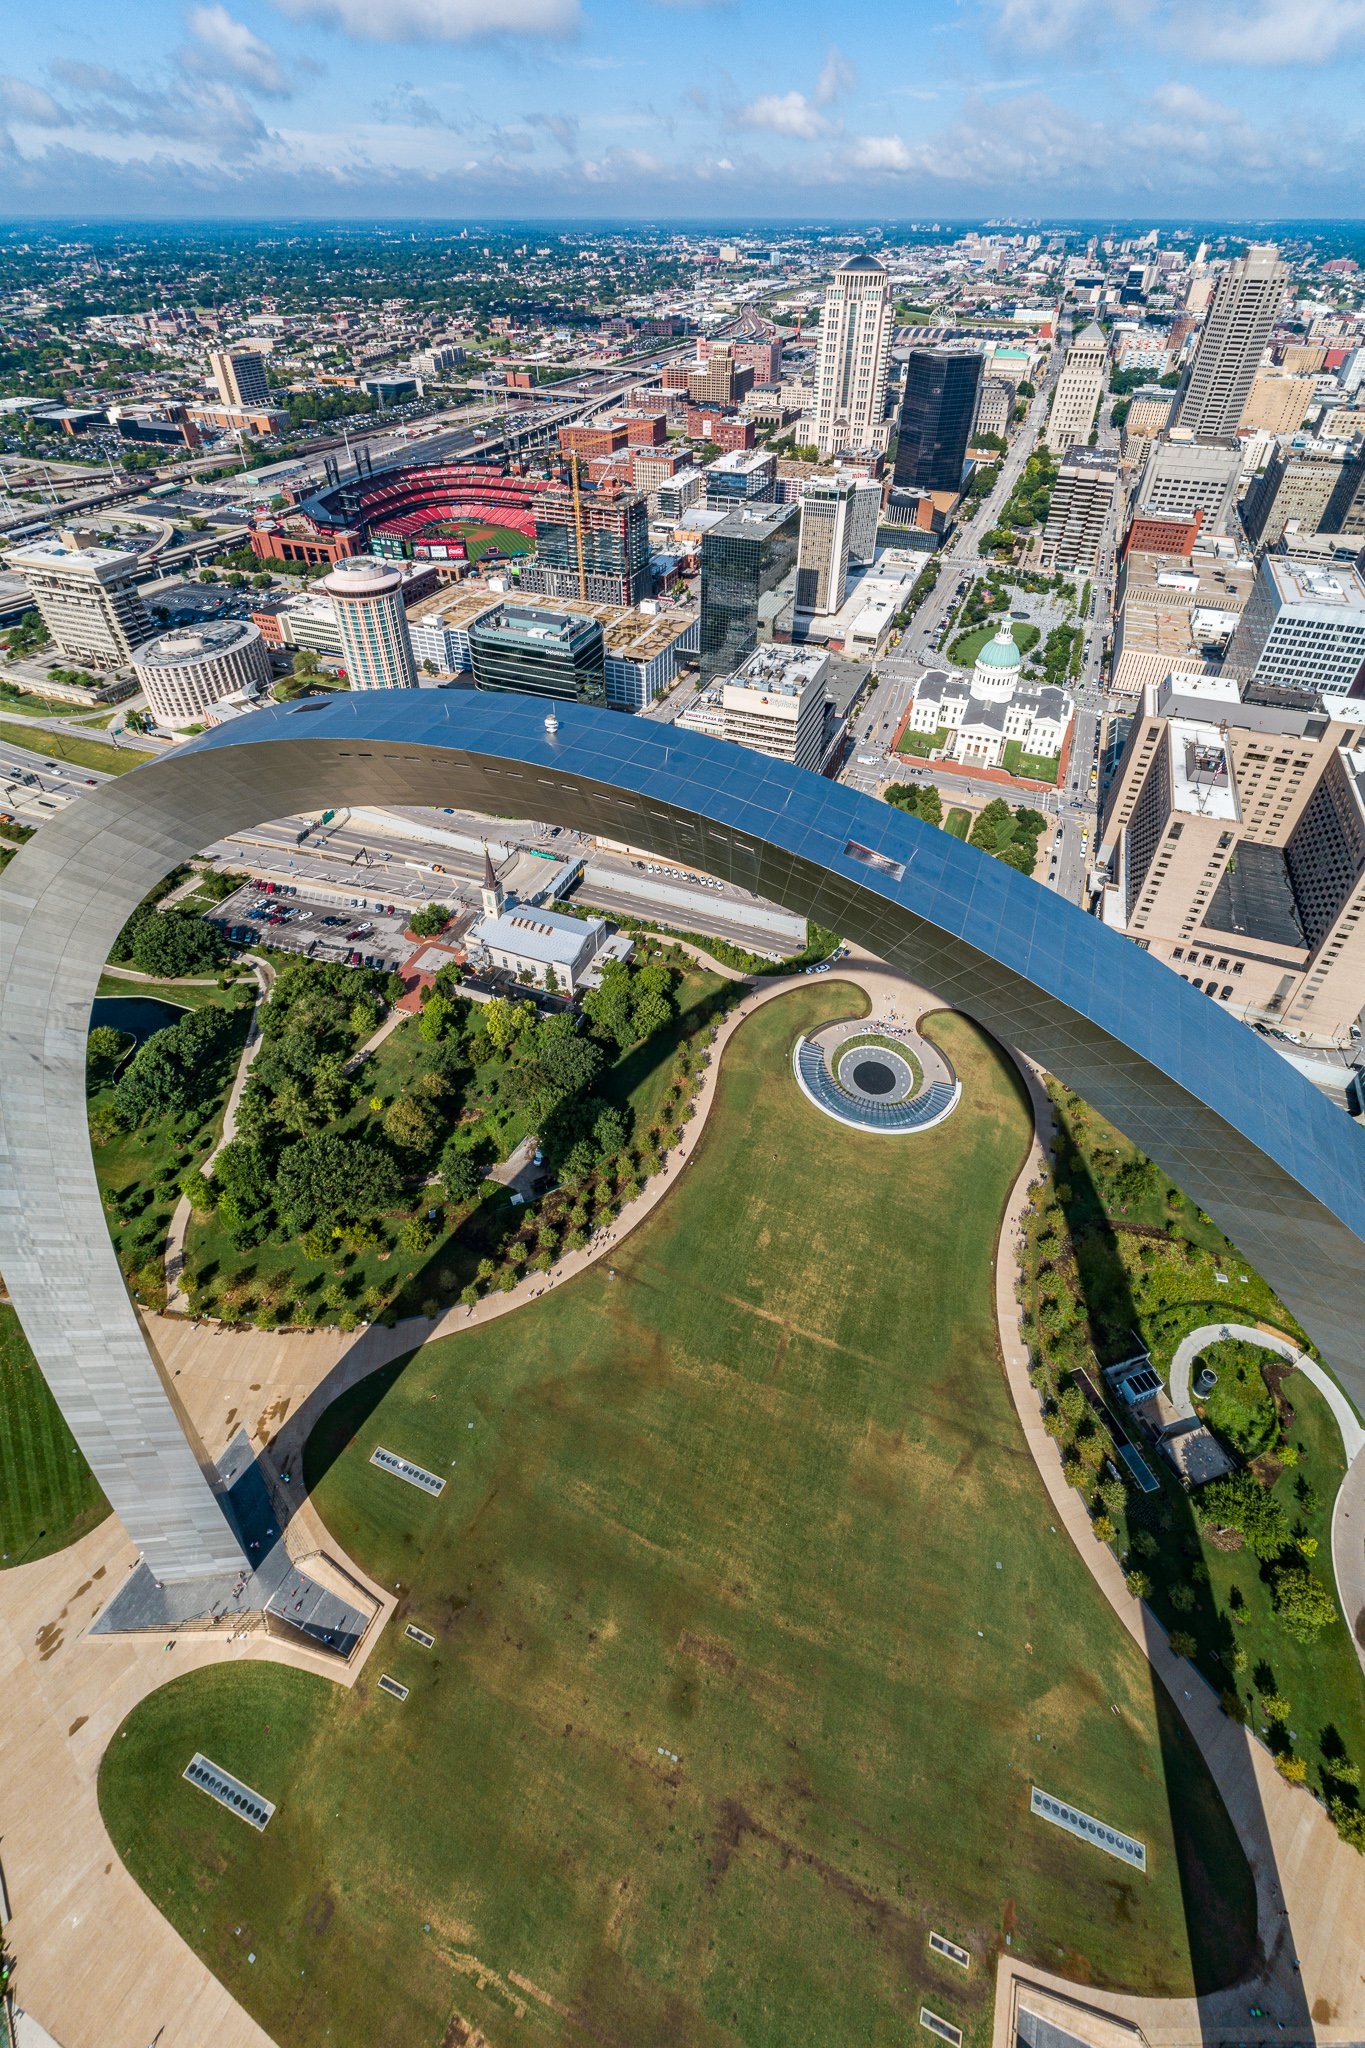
[{"x": 578, "y": 527}]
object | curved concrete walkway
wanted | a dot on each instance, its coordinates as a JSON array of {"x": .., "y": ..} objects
[
  {"x": 1310, "y": 1887},
  {"x": 1348, "y": 1512}
]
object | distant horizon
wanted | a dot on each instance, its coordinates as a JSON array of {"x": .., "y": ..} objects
[{"x": 738, "y": 224}]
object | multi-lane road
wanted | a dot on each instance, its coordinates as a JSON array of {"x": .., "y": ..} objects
[{"x": 871, "y": 764}]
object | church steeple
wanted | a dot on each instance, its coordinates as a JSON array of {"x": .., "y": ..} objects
[{"x": 491, "y": 892}]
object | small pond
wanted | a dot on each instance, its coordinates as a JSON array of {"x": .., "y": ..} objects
[{"x": 136, "y": 1016}]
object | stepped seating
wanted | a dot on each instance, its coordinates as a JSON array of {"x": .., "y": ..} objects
[{"x": 916, "y": 1114}]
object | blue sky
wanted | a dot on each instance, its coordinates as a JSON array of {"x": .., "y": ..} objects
[{"x": 907, "y": 109}]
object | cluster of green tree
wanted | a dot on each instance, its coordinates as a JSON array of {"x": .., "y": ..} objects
[
  {"x": 173, "y": 1070},
  {"x": 169, "y": 943},
  {"x": 1029, "y": 501},
  {"x": 983, "y": 481},
  {"x": 995, "y": 442},
  {"x": 1125, "y": 381},
  {"x": 424, "y": 924},
  {"x": 985, "y": 597},
  {"x": 311, "y": 408},
  {"x": 1062, "y": 653},
  {"x": 919, "y": 590},
  {"x": 27, "y": 635},
  {"x": 139, "y": 460},
  {"x": 925, "y": 803},
  {"x": 1012, "y": 836}
]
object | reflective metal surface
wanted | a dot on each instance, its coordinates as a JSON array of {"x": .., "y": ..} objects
[{"x": 1240, "y": 1131}]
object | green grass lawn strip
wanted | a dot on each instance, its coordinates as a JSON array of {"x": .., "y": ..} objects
[{"x": 48, "y": 1495}]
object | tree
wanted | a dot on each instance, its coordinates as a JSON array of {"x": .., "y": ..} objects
[
  {"x": 569, "y": 1063},
  {"x": 1241, "y": 1502},
  {"x": 172, "y": 943},
  {"x": 328, "y": 1179},
  {"x": 173, "y": 1069},
  {"x": 608, "y": 1008},
  {"x": 437, "y": 1014},
  {"x": 611, "y": 1131},
  {"x": 424, "y": 924},
  {"x": 650, "y": 1015},
  {"x": 462, "y": 1172},
  {"x": 103, "y": 1046},
  {"x": 409, "y": 1125},
  {"x": 504, "y": 1022},
  {"x": 1303, "y": 1606},
  {"x": 198, "y": 1191}
]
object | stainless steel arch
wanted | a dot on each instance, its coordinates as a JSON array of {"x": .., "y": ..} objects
[{"x": 1280, "y": 1169}]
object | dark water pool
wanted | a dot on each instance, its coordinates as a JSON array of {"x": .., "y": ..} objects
[{"x": 138, "y": 1015}]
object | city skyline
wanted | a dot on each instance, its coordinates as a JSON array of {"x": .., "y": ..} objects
[{"x": 430, "y": 108}]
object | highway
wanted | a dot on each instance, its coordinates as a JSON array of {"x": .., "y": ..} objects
[{"x": 870, "y": 764}]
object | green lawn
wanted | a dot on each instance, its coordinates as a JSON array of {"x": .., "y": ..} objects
[
  {"x": 1038, "y": 767},
  {"x": 1240, "y": 1407},
  {"x": 753, "y": 1493},
  {"x": 48, "y": 1494},
  {"x": 965, "y": 650},
  {"x": 958, "y": 822},
  {"x": 31, "y": 704},
  {"x": 62, "y": 746},
  {"x": 921, "y": 743}
]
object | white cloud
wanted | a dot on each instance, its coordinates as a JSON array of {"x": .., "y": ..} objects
[
  {"x": 1241, "y": 32},
  {"x": 785, "y": 113},
  {"x": 563, "y": 127},
  {"x": 223, "y": 45},
  {"x": 437, "y": 21},
  {"x": 836, "y": 76},
  {"x": 881, "y": 153},
  {"x": 25, "y": 102},
  {"x": 1275, "y": 31}
]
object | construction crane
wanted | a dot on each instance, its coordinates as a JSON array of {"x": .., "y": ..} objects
[{"x": 578, "y": 527}]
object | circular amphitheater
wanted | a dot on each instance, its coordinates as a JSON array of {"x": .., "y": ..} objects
[{"x": 885, "y": 1078}]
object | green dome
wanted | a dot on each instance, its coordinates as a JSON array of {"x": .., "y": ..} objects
[{"x": 1000, "y": 652}]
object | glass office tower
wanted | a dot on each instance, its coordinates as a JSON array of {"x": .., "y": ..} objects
[
  {"x": 539, "y": 651},
  {"x": 742, "y": 558},
  {"x": 937, "y": 412}
]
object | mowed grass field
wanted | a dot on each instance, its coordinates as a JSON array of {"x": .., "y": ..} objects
[
  {"x": 751, "y": 1635},
  {"x": 48, "y": 1495}
]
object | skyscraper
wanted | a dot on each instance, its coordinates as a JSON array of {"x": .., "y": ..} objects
[
  {"x": 822, "y": 555},
  {"x": 1079, "y": 391},
  {"x": 1245, "y": 302},
  {"x": 88, "y": 599},
  {"x": 240, "y": 376},
  {"x": 373, "y": 624},
  {"x": 936, "y": 417},
  {"x": 855, "y": 348},
  {"x": 742, "y": 558},
  {"x": 613, "y": 530}
]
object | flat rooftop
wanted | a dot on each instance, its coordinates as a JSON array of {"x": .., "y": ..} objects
[
  {"x": 1338, "y": 588},
  {"x": 776, "y": 671},
  {"x": 1201, "y": 773}
]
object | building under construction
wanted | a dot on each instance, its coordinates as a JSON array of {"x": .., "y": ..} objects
[{"x": 592, "y": 545}]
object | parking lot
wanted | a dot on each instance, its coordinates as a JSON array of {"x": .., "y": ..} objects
[{"x": 361, "y": 931}]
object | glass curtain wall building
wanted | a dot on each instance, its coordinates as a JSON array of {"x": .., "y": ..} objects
[
  {"x": 538, "y": 651},
  {"x": 936, "y": 418},
  {"x": 748, "y": 554}
]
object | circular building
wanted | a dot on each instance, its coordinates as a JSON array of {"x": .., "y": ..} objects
[
  {"x": 185, "y": 672},
  {"x": 997, "y": 666},
  {"x": 373, "y": 623}
]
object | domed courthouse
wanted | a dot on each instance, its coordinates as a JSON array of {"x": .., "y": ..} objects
[{"x": 975, "y": 717}]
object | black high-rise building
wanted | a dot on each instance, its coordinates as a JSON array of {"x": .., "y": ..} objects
[
  {"x": 743, "y": 557},
  {"x": 936, "y": 418}
]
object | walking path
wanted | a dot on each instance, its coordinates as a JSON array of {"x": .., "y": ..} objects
[
  {"x": 1348, "y": 1513},
  {"x": 101, "y": 1965},
  {"x": 177, "y": 1302},
  {"x": 1310, "y": 1887}
]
